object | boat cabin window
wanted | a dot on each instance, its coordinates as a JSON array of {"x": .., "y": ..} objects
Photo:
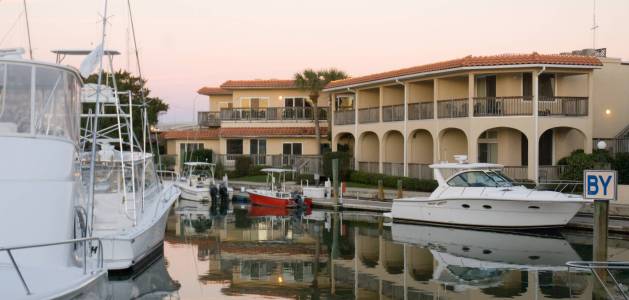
[
  {"x": 478, "y": 179},
  {"x": 39, "y": 100}
]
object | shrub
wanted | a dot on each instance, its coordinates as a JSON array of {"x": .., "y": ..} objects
[
  {"x": 219, "y": 171},
  {"x": 409, "y": 184},
  {"x": 344, "y": 170},
  {"x": 168, "y": 162},
  {"x": 621, "y": 164},
  {"x": 578, "y": 161},
  {"x": 243, "y": 166}
]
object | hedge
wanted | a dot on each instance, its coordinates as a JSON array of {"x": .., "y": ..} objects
[
  {"x": 409, "y": 184},
  {"x": 344, "y": 170}
]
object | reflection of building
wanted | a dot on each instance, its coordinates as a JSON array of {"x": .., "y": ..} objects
[{"x": 492, "y": 108}]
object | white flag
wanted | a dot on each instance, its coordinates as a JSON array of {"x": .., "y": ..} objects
[{"x": 91, "y": 61}]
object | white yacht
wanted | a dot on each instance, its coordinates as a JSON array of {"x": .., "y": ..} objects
[
  {"x": 130, "y": 203},
  {"x": 479, "y": 195},
  {"x": 45, "y": 251}
]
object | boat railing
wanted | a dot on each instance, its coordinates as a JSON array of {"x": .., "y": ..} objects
[
  {"x": 602, "y": 271},
  {"x": 168, "y": 175},
  {"x": 561, "y": 186},
  {"x": 85, "y": 241}
]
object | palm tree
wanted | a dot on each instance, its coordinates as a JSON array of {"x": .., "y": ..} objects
[{"x": 314, "y": 82}]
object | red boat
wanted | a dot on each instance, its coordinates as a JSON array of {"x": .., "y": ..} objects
[
  {"x": 274, "y": 197},
  {"x": 263, "y": 211}
]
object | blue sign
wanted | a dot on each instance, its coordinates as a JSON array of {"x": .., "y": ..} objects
[{"x": 600, "y": 184}]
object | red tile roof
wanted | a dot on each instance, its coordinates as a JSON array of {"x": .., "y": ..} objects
[
  {"x": 259, "y": 83},
  {"x": 475, "y": 61},
  {"x": 210, "y": 91},
  {"x": 232, "y": 132}
]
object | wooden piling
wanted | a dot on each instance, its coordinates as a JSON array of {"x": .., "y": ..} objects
[
  {"x": 335, "y": 182},
  {"x": 380, "y": 190},
  {"x": 400, "y": 191}
]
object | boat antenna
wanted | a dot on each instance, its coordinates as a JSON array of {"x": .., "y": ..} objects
[
  {"x": 594, "y": 25},
  {"x": 95, "y": 121},
  {"x": 142, "y": 95},
  {"x": 28, "y": 31}
]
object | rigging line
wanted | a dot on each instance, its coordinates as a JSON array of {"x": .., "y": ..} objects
[
  {"x": 28, "y": 31},
  {"x": 12, "y": 27}
]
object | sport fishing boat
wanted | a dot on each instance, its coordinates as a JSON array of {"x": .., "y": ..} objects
[
  {"x": 195, "y": 184},
  {"x": 276, "y": 194},
  {"x": 45, "y": 249},
  {"x": 480, "y": 195},
  {"x": 130, "y": 203}
]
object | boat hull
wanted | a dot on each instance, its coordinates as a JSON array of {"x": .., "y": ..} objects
[
  {"x": 486, "y": 213},
  {"x": 193, "y": 193},
  {"x": 123, "y": 251},
  {"x": 264, "y": 200}
]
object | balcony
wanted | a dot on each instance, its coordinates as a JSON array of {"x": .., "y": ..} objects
[
  {"x": 368, "y": 166},
  {"x": 272, "y": 114},
  {"x": 345, "y": 117},
  {"x": 563, "y": 106},
  {"x": 392, "y": 113},
  {"x": 209, "y": 119},
  {"x": 369, "y": 115},
  {"x": 420, "y": 171},
  {"x": 421, "y": 111},
  {"x": 452, "y": 108},
  {"x": 503, "y": 106},
  {"x": 393, "y": 169}
]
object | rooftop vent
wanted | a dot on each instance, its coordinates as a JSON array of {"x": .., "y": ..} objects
[{"x": 600, "y": 52}]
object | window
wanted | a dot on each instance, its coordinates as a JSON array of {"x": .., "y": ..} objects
[
  {"x": 257, "y": 148},
  {"x": 472, "y": 179},
  {"x": 488, "y": 147},
  {"x": 344, "y": 102},
  {"x": 254, "y": 102},
  {"x": 234, "y": 146},
  {"x": 290, "y": 149},
  {"x": 486, "y": 86},
  {"x": 527, "y": 85},
  {"x": 295, "y": 108},
  {"x": 546, "y": 88}
]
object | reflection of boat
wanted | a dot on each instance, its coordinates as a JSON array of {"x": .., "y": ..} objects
[
  {"x": 486, "y": 249},
  {"x": 42, "y": 210},
  {"x": 479, "y": 195},
  {"x": 259, "y": 211},
  {"x": 274, "y": 196},
  {"x": 154, "y": 282},
  {"x": 196, "y": 181}
]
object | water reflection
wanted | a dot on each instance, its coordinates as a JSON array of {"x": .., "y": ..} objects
[
  {"x": 259, "y": 253},
  {"x": 153, "y": 282}
]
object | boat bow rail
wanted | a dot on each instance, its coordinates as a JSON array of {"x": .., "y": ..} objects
[{"x": 98, "y": 250}]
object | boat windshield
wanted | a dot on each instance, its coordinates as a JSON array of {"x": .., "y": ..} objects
[
  {"x": 479, "y": 179},
  {"x": 500, "y": 178}
]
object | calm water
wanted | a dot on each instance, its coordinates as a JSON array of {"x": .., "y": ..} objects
[{"x": 253, "y": 253}]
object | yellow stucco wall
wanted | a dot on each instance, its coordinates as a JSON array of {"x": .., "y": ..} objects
[
  {"x": 393, "y": 95},
  {"x": 611, "y": 91},
  {"x": 421, "y": 91},
  {"x": 452, "y": 87},
  {"x": 420, "y": 147},
  {"x": 369, "y": 98},
  {"x": 394, "y": 147}
]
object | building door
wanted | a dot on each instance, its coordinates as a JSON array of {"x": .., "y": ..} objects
[
  {"x": 546, "y": 149},
  {"x": 289, "y": 151},
  {"x": 257, "y": 149}
]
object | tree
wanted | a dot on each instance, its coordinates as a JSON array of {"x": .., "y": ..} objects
[
  {"x": 125, "y": 81},
  {"x": 314, "y": 82}
]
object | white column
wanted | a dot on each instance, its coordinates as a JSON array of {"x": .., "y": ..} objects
[
  {"x": 356, "y": 138},
  {"x": 436, "y": 143},
  {"x": 405, "y": 139},
  {"x": 535, "y": 163}
]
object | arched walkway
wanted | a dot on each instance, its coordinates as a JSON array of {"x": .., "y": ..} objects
[
  {"x": 506, "y": 146},
  {"x": 452, "y": 141},
  {"x": 555, "y": 144},
  {"x": 393, "y": 149},
  {"x": 420, "y": 151},
  {"x": 369, "y": 158},
  {"x": 345, "y": 142}
]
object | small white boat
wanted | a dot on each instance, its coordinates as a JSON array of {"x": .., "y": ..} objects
[
  {"x": 45, "y": 251},
  {"x": 479, "y": 195},
  {"x": 195, "y": 184}
]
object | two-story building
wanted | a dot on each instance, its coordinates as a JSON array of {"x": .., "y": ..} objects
[
  {"x": 523, "y": 111},
  {"x": 271, "y": 121}
]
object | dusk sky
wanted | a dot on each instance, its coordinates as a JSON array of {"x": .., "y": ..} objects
[{"x": 187, "y": 44}]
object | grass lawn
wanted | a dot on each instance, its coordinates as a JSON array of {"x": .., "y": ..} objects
[{"x": 253, "y": 178}]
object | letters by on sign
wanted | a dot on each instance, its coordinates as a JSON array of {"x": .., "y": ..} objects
[{"x": 599, "y": 184}]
